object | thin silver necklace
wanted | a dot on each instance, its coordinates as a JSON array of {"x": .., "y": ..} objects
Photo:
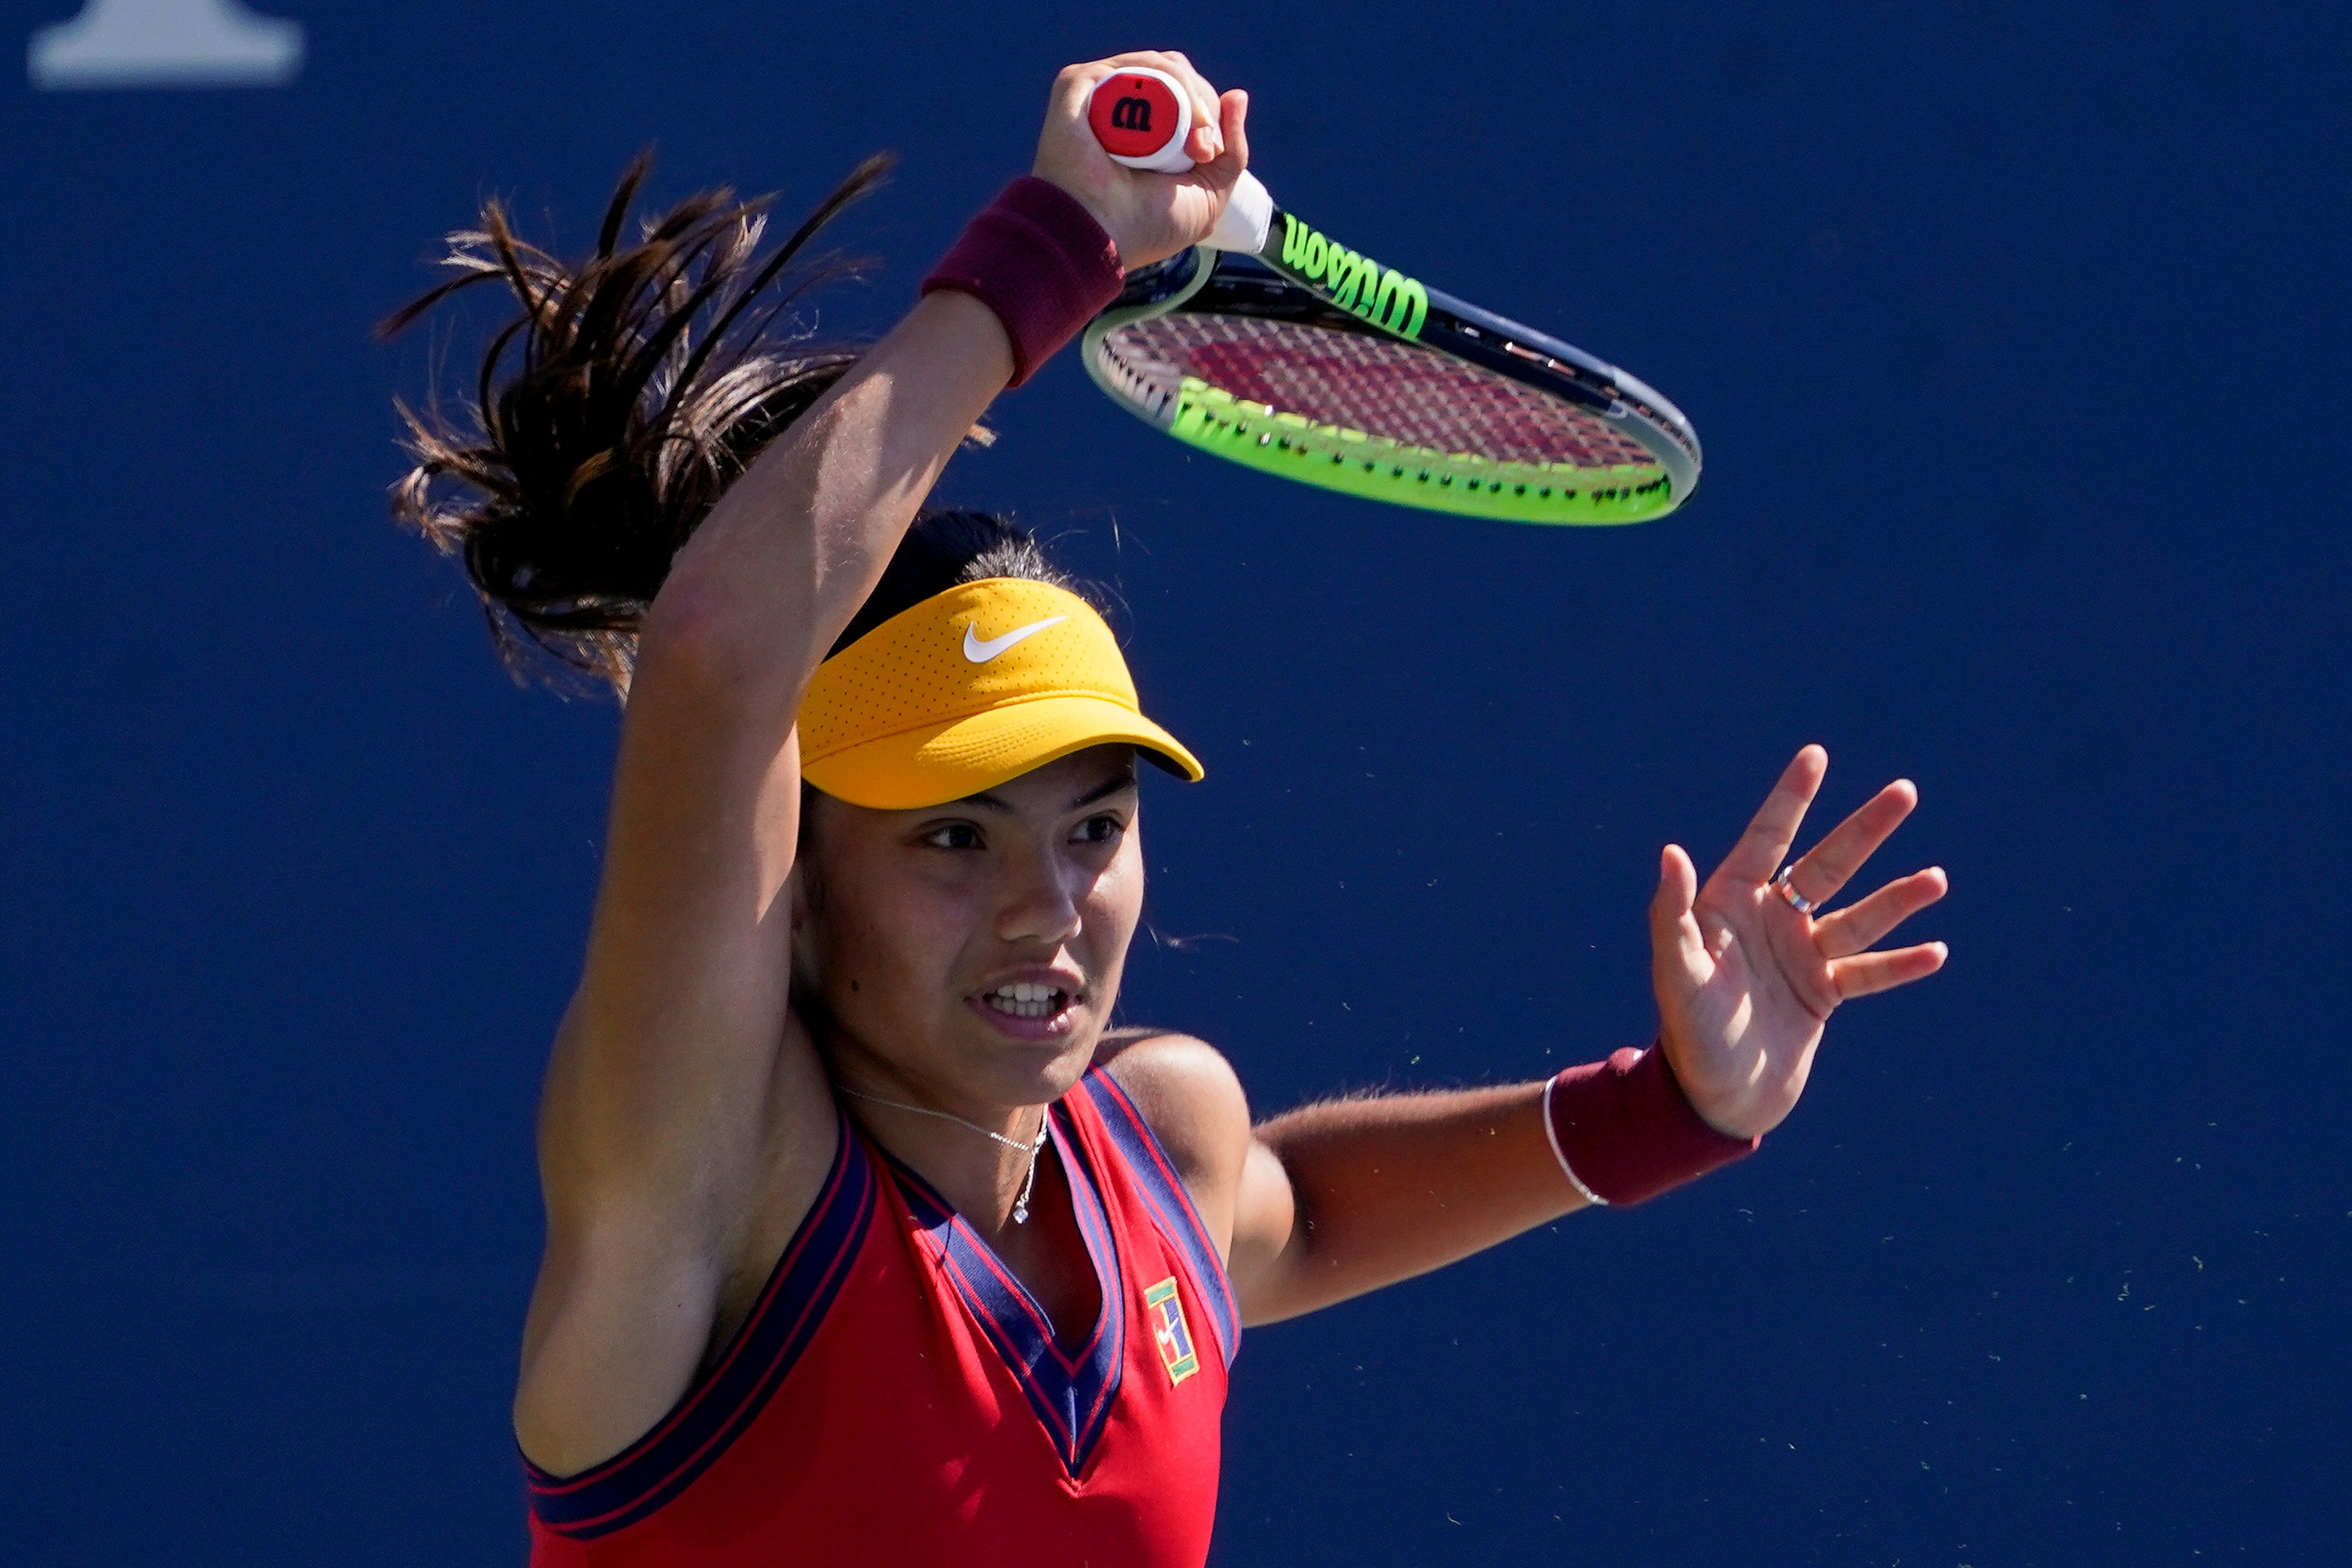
[{"x": 1020, "y": 1203}]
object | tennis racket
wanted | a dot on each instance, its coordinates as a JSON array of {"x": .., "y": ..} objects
[{"x": 1276, "y": 347}]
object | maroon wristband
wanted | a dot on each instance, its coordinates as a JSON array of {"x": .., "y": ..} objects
[
  {"x": 1038, "y": 258},
  {"x": 1625, "y": 1130}
]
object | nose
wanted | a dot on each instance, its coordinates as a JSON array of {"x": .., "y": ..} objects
[{"x": 1041, "y": 902}]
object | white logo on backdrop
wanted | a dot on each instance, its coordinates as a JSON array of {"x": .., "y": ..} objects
[{"x": 165, "y": 42}]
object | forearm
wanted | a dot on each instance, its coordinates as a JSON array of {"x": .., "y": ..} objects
[
  {"x": 1387, "y": 1188},
  {"x": 668, "y": 1054},
  {"x": 797, "y": 543}
]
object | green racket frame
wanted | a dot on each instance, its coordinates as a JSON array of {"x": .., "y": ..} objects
[{"x": 1303, "y": 278}]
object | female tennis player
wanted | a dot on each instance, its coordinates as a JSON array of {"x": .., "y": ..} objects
[{"x": 869, "y": 1238}]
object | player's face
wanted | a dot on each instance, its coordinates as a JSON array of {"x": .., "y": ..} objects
[{"x": 970, "y": 952}]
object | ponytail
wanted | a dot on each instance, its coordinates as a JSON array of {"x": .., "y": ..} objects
[{"x": 611, "y": 415}]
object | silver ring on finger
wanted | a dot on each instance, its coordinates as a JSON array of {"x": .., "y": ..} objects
[{"x": 1788, "y": 890}]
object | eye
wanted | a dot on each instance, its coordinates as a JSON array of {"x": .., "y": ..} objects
[
  {"x": 1102, "y": 830},
  {"x": 954, "y": 836}
]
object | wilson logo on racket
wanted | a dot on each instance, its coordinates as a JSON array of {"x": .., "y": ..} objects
[{"x": 1380, "y": 295}]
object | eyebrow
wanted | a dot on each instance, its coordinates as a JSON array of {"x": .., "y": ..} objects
[
  {"x": 1102, "y": 791},
  {"x": 1108, "y": 788}
]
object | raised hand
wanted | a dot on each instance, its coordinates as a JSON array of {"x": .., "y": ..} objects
[
  {"x": 1150, "y": 215},
  {"x": 1746, "y": 978}
]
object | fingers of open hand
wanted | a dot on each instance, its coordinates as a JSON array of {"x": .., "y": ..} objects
[
  {"x": 1850, "y": 930},
  {"x": 1674, "y": 930},
  {"x": 1761, "y": 849},
  {"x": 1865, "y": 973},
  {"x": 1681, "y": 962},
  {"x": 1830, "y": 864}
]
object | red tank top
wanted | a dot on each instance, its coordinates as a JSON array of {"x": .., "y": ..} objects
[{"x": 897, "y": 1396}]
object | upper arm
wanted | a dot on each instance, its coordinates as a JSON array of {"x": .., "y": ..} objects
[
  {"x": 1190, "y": 1095},
  {"x": 685, "y": 1116},
  {"x": 659, "y": 1077},
  {"x": 686, "y": 1123}
]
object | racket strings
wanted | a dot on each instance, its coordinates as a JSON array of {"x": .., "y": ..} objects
[{"x": 1357, "y": 382}]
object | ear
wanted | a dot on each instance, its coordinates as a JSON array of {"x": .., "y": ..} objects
[
  {"x": 805, "y": 898},
  {"x": 803, "y": 886},
  {"x": 804, "y": 891}
]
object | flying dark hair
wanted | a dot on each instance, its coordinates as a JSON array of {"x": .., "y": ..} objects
[{"x": 612, "y": 412}]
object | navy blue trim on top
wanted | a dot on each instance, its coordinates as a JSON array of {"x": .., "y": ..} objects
[
  {"x": 699, "y": 1429},
  {"x": 1071, "y": 1393},
  {"x": 1172, "y": 1206}
]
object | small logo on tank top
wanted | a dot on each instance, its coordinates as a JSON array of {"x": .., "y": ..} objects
[{"x": 1171, "y": 1333}]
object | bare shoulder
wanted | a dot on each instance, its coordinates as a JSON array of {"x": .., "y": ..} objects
[{"x": 1192, "y": 1099}]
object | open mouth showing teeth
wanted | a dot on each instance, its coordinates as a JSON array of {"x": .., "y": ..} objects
[{"x": 1024, "y": 1000}]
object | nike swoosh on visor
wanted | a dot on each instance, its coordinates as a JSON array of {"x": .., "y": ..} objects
[{"x": 979, "y": 652}]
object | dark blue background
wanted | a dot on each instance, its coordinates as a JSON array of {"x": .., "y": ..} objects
[{"x": 2015, "y": 334}]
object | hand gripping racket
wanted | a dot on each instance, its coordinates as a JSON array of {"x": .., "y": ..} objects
[{"x": 1276, "y": 347}]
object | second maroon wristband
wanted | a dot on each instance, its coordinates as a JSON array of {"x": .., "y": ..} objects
[
  {"x": 1038, "y": 258},
  {"x": 1625, "y": 1130}
]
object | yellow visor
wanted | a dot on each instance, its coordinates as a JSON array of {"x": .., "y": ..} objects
[{"x": 971, "y": 688}]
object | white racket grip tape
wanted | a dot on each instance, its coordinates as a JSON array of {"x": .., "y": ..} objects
[{"x": 1247, "y": 219}]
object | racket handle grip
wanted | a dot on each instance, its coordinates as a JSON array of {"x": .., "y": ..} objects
[
  {"x": 1247, "y": 219},
  {"x": 1142, "y": 117}
]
